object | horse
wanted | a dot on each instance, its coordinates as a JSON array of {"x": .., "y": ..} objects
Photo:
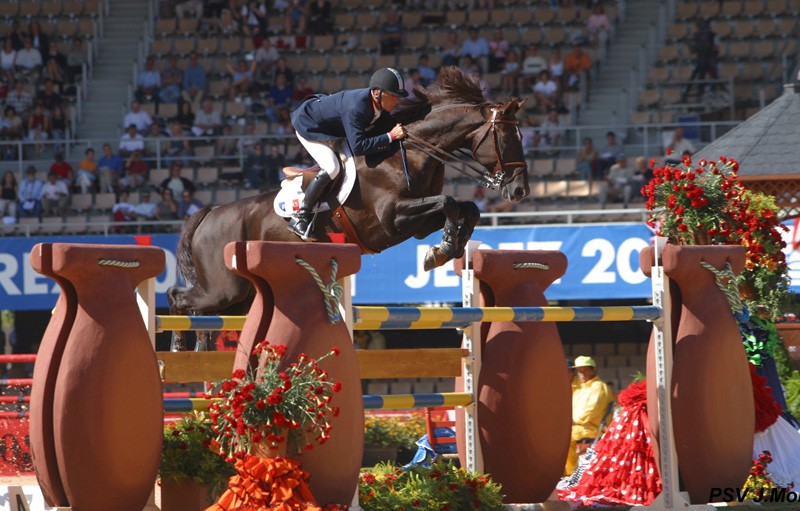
[{"x": 397, "y": 195}]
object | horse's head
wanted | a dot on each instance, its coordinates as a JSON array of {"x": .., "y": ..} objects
[{"x": 497, "y": 145}]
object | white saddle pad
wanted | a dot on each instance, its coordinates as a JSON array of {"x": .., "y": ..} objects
[{"x": 290, "y": 197}]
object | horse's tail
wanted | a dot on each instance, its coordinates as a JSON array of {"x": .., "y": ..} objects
[{"x": 186, "y": 268}]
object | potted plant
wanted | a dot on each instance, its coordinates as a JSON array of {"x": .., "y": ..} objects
[
  {"x": 191, "y": 474},
  {"x": 386, "y": 435},
  {"x": 442, "y": 487},
  {"x": 262, "y": 415}
]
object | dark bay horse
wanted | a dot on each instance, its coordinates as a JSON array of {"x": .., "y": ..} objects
[{"x": 384, "y": 209}]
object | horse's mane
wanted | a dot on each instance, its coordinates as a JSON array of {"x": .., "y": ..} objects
[{"x": 452, "y": 85}]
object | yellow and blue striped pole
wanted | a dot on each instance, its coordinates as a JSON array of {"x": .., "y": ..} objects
[
  {"x": 402, "y": 318},
  {"x": 395, "y": 402}
]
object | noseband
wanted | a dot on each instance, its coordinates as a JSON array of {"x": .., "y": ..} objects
[{"x": 494, "y": 179}]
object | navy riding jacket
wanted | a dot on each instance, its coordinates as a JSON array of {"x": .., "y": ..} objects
[{"x": 347, "y": 114}]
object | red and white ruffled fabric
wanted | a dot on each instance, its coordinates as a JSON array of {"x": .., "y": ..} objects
[{"x": 624, "y": 470}]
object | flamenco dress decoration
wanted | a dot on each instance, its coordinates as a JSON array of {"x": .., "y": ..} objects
[
  {"x": 623, "y": 471},
  {"x": 275, "y": 484}
]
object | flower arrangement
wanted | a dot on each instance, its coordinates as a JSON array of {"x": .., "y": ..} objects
[
  {"x": 279, "y": 403},
  {"x": 187, "y": 455},
  {"x": 443, "y": 487},
  {"x": 759, "y": 485},
  {"x": 400, "y": 431},
  {"x": 706, "y": 204}
]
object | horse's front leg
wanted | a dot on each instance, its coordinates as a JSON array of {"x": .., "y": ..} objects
[
  {"x": 421, "y": 217},
  {"x": 470, "y": 216}
]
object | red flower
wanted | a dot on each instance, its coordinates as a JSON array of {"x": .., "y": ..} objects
[
  {"x": 335, "y": 351},
  {"x": 260, "y": 404},
  {"x": 183, "y": 446},
  {"x": 453, "y": 486},
  {"x": 669, "y": 151},
  {"x": 682, "y": 228},
  {"x": 238, "y": 374},
  {"x": 337, "y": 386}
]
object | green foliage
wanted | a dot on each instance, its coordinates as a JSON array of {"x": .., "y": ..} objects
[
  {"x": 186, "y": 454},
  {"x": 792, "y": 386},
  {"x": 783, "y": 361},
  {"x": 400, "y": 431},
  {"x": 443, "y": 487}
]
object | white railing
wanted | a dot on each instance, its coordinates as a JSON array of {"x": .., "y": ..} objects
[{"x": 569, "y": 216}]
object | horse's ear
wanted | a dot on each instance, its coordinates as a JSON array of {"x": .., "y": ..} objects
[
  {"x": 510, "y": 108},
  {"x": 521, "y": 105}
]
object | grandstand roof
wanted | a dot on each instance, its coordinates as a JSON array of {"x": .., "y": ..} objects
[{"x": 767, "y": 143}]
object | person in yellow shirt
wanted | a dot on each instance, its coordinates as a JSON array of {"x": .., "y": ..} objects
[{"x": 590, "y": 401}]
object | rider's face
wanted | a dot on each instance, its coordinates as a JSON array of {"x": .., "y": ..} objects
[{"x": 388, "y": 102}]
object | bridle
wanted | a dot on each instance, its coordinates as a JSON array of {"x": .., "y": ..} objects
[{"x": 494, "y": 179}]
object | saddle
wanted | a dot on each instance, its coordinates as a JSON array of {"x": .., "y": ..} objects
[{"x": 306, "y": 175}]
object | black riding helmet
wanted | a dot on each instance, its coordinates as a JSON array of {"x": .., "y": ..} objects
[{"x": 390, "y": 81}]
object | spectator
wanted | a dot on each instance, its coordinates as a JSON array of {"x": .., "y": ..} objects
[
  {"x": 427, "y": 74},
  {"x": 253, "y": 18},
  {"x": 227, "y": 26},
  {"x": 303, "y": 91},
  {"x": 54, "y": 196},
  {"x": 242, "y": 79},
  {"x": 207, "y": 121},
  {"x": 193, "y": 6},
  {"x": 284, "y": 125},
  {"x": 38, "y": 129},
  {"x": 214, "y": 8},
  {"x": 510, "y": 72},
  {"x": 255, "y": 168},
  {"x": 136, "y": 171},
  {"x": 490, "y": 206},
  {"x": 63, "y": 169},
  {"x": 587, "y": 160},
  {"x": 248, "y": 141},
  {"x": 58, "y": 127},
  {"x": 56, "y": 66},
  {"x": 642, "y": 173},
  {"x": 266, "y": 57},
  {"x": 274, "y": 164},
  {"x": 468, "y": 66},
  {"x": 28, "y": 62},
  {"x": 123, "y": 210},
  {"x": 171, "y": 82},
  {"x": 477, "y": 48},
  {"x": 280, "y": 97},
  {"x": 179, "y": 150},
  {"x": 527, "y": 130},
  {"x": 226, "y": 146},
  {"x": 704, "y": 46},
  {"x": 109, "y": 169},
  {"x": 618, "y": 183},
  {"x": 678, "y": 147},
  {"x": 30, "y": 195},
  {"x": 185, "y": 116},
  {"x": 9, "y": 195},
  {"x": 391, "y": 34},
  {"x": 131, "y": 141},
  {"x": 167, "y": 209},
  {"x": 176, "y": 182},
  {"x": 11, "y": 127},
  {"x": 608, "y": 155},
  {"x": 577, "y": 63},
  {"x": 145, "y": 211},
  {"x": 484, "y": 85},
  {"x": 550, "y": 134},
  {"x": 556, "y": 67},
  {"x": 296, "y": 18},
  {"x": 87, "y": 172},
  {"x": 20, "y": 99},
  {"x": 414, "y": 79},
  {"x": 319, "y": 17},
  {"x": 188, "y": 206},
  {"x": 48, "y": 98},
  {"x": 498, "y": 48},
  {"x": 39, "y": 40},
  {"x": 282, "y": 68},
  {"x": 138, "y": 118},
  {"x": 156, "y": 143},
  {"x": 194, "y": 81},
  {"x": 598, "y": 26},
  {"x": 590, "y": 401},
  {"x": 7, "y": 58},
  {"x": 76, "y": 58},
  {"x": 15, "y": 36},
  {"x": 451, "y": 50},
  {"x": 546, "y": 92},
  {"x": 533, "y": 64}
]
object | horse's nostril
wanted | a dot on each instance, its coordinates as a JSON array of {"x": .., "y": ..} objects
[{"x": 519, "y": 192}]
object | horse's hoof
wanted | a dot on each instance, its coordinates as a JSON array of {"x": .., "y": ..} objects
[{"x": 434, "y": 258}]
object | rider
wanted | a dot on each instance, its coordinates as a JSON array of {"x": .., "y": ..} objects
[{"x": 323, "y": 120}]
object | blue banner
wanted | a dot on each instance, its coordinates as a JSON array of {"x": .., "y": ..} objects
[{"x": 603, "y": 264}]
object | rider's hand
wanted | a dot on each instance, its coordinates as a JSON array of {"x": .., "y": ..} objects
[{"x": 398, "y": 132}]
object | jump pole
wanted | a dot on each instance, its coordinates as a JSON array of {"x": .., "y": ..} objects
[{"x": 470, "y": 295}]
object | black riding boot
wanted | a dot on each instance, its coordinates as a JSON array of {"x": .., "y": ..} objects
[{"x": 300, "y": 223}]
